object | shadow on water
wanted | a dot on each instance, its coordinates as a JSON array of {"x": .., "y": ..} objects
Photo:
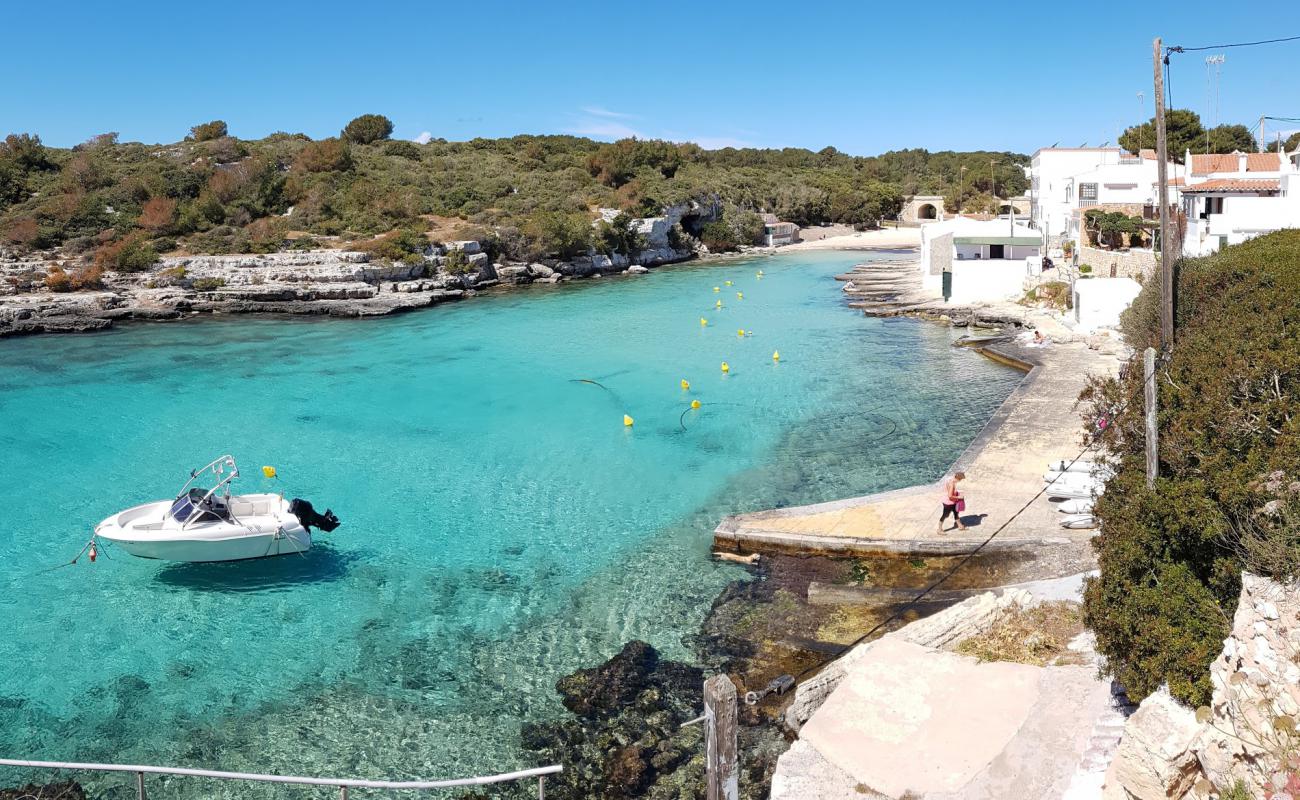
[{"x": 321, "y": 564}]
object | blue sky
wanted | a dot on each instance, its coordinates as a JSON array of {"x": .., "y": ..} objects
[{"x": 860, "y": 76}]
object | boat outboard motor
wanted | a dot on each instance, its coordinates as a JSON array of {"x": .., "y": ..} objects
[{"x": 310, "y": 519}]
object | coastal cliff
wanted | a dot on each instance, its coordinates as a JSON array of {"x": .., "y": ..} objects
[{"x": 343, "y": 283}]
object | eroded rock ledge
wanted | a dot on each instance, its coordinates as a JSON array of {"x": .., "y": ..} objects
[{"x": 331, "y": 282}]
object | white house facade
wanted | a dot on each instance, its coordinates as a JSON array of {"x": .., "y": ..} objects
[
  {"x": 983, "y": 259},
  {"x": 1230, "y": 198}
]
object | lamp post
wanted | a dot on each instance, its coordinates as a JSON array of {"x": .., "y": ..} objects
[{"x": 993, "y": 183}]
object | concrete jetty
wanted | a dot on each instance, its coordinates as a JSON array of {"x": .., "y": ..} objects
[{"x": 1037, "y": 424}]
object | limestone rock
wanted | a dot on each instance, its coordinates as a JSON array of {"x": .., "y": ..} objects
[
  {"x": 1155, "y": 759},
  {"x": 637, "y": 269},
  {"x": 940, "y": 630}
]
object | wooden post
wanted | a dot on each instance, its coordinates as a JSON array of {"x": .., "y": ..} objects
[
  {"x": 1149, "y": 383},
  {"x": 720, "y": 739},
  {"x": 139, "y": 785},
  {"x": 1162, "y": 172}
]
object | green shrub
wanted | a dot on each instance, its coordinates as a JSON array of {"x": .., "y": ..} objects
[
  {"x": 368, "y": 128},
  {"x": 718, "y": 237},
  {"x": 1084, "y": 269},
  {"x": 456, "y": 262},
  {"x": 403, "y": 149},
  {"x": 1171, "y": 557},
  {"x": 327, "y": 155},
  {"x": 405, "y": 244},
  {"x": 559, "y": 233},
  {"x": 208, "y": 131},
  {"x": 207, "y": 284},
  {"x": 619, "y": 235},
  {"x": 132, "y": 254}
]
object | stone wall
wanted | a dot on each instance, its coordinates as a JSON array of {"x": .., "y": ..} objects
[
  {"x": 1250, "y": 726},
  {"x": 1136, "y": 264}
]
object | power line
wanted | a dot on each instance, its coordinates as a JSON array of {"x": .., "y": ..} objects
[
  {"x": 1178, "y": 49},
  {"x": 785, "y": 683}
]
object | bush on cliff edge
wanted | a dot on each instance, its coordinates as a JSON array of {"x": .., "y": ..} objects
[{"x": 1229, "y": 442}]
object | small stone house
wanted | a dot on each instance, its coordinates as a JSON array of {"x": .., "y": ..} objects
[{"x": 777, "y": 233}]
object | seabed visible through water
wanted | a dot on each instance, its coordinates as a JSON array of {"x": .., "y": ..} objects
[{"x": 502, "y": 526}]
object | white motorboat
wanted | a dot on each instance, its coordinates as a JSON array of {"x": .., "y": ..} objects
[
  {"x": 1100, "y": 472},
  {"x": 1076, "y": 466},
  {"x": 214, "y": 525},
  {"x": 1076, "y": 506},
  {"x": 1075, "y": 485}
]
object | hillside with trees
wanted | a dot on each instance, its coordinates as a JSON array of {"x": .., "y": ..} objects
[{"x": 121, "y": 204}]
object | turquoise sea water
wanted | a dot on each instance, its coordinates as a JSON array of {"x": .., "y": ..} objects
[{"x": 501, "y": 525}]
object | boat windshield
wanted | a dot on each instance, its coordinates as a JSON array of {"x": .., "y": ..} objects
[{"x": 185, "y": 506}]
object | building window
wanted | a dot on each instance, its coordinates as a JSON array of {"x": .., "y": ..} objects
[{"x": 1087, "y": 193}]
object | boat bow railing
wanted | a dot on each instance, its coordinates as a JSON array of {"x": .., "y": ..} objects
[{"x": 343, "y": 784}]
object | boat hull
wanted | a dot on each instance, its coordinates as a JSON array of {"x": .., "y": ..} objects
[
  {"x": 259, "y": 527},
  {"x": 235, "y": 548}
]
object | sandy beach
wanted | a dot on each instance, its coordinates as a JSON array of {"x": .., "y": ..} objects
[{"x": 864, "y": 240}]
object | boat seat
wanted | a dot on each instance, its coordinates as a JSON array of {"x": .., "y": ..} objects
[{"x": 244, "y": 508}]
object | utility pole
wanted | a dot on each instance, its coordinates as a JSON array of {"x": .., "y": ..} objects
[
  {"x": 961, "y": 186},
  {"x": 1149, "y": 393},
  {"x": 1166, "y": 258},
  {"x": 1262, "y": 137}
]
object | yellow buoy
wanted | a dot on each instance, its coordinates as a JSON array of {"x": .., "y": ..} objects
[
  {"x": 726, "y": 367},
  {"x": 686, "y": 384},
  {"x": 268, "y": 472},
  {"x": 717, "y": 288},
  {"x": 776, "y": 355},
  {"x": 695, "y": 404},
  {"x": 740, "y": 332},
  {"x": 728, "y": 283},
  {"x": 718, "y": 304},
  {"x": 760, "y": 273},
  {"x": 627, "y": 421},
  {"x": 703, "y": 322},
  {"x": 740, "y": 295}
]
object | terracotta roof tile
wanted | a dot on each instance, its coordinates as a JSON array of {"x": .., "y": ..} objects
[
  {"x": 1148, "y": 153},
  {"x": 1206, "y": 163},
  {"x": 1233, "y": 185},
  {"x": 1263, "y": 162}
]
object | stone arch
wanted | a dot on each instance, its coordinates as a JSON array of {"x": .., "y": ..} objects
[
  {"x": 1005, "y": 209},
  {"x": 927, "y": 211}
]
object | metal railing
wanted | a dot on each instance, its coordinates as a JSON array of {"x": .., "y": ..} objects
[{"x": 343, "y": 784}]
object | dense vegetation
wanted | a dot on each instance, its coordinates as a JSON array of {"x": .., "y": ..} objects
[
  {"x": 533, "y": 195},
  {"x": 1185, "y": 132},
  {"x": 1227, "y": 493}
]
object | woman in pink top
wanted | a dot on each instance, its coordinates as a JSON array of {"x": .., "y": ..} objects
[{"x": 951, "y": 497}]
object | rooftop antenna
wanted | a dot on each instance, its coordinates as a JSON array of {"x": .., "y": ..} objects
[
  {"x": 1141, "y": 95},
  {"x": 1212, "y": 92}
]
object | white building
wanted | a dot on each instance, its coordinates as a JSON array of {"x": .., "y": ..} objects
[
  {"x": 1230, "y": 198},
  {"x": 1066, "y": 182},
  {"x": 1052, "y": 188},
  {"x": 1098, "y": 302},
  {"x": 982, "y": 259}
]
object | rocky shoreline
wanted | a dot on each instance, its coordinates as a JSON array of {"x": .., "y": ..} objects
[{"x": 338, "y": 283}]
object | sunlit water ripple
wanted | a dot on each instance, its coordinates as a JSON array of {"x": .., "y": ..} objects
[{"x": 501, "y": 526}]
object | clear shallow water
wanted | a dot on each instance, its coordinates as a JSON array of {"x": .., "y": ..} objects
[{"x": 501, "y": 526}]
